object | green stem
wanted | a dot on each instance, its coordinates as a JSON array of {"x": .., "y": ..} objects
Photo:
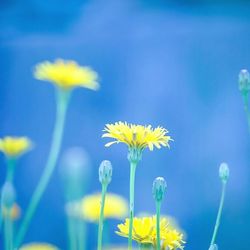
[
  {"x": 62, "y": 104},
  {"x": 11, "y": 163},
  {"x": 100, "y": 227},
  {"x": 216, "y": 227},
  {"x": 72, "y": 241},
  {"x": 8, "y": 232},
  {"x": 131, "y": 202},
  {"x": 158, "y": 236},
  {"x": 245, "y": 100},
  {"x": 81, "y": 233}
]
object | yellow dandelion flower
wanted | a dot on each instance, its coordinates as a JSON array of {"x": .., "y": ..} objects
[
  {"x": 14, "y": 213},
  {"x": 144, "y": 232},
  {"x": 38, "y": 246},
  {"x": 137, "y": 136},
  {"x": 116, "y": 207},
  {"x": 14, "y": 146},
  {"x": 172, "y": 240},
  {"x": 67, "y": 74}
]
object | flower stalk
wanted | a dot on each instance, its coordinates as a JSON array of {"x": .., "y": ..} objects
[
  {"x": 63, "y": 97},
  {"x": 100, "y": 227},
  {"x": 224, "y": 175},
  {"x": 105, "y": 176},
  {"x": 159, "y": 191}
]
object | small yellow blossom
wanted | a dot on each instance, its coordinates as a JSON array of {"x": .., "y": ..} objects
[
  {"x": 38, "y": 246},
  {"x": 116, "y": 207},
  {"x": 67, "y": 74},
  {"x": 14, "y": 213},
  {"x": 14, "y": 146},
  {"x": 172, "y": 240},
  {"x": 137, "y": 136},
  {"x": 144, "y": 232}
]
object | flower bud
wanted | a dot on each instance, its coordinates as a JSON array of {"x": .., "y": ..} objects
[
  {"x": 159, "y": 188},
  {"x": 105, "y": 172},
  {"x": 213, "y": 247},
  {"x": 224, "y": 172},
  {"x": 8, "y": 195},
  {"x": 244, "y": 81}
]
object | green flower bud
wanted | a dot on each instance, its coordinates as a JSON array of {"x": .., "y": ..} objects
[
  {"x": 8, "y": 195},
  {"x": 244, "y": 81},
  {"x": 159, "y": 188},
  {"x": 105, "y": 172},
  {"x": 224, "y": 172},
  {"x": 213, "y": 247}
]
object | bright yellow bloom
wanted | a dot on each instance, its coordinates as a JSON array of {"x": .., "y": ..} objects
[
  {"x": 144, "y": 231},
  {"x": 173, "y": 240},
  {"x": 67, "y": 74},
  {"x": 14, "y": 146},
  {"x": 14, "y": 213},
  {"x": 115, "y": 207},
  {"x": 137, "y": 136},
  {"x": 38, "y": 246}
]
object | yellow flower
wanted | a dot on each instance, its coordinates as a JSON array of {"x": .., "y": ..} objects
[
  {"x": 173, "y": 240},
  {"x": 38, "y": 246},
  {"x": 14, "y": 146},
  {"x": 67, "y": 74},
  {"x": 115, "y": 207},
  {"x": 14, "y": 213},
  {"x": 137, "y": 136},
  {"x": 144, "y": 232}
]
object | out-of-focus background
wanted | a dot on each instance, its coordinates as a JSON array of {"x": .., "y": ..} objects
[{"x": 169, "y": 63}]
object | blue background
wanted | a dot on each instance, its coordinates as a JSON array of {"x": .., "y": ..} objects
[{"x": 169, "y": 63}]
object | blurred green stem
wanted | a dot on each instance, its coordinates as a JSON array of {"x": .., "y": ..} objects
[
  {"x": 81, "y": 234},
  {"x": 131, "y": 201},
  {"x": 245, "y": 100},
  {"x": 8, "y": 231},
  {"x": 216, "y": 227},
  {"x": 158, "y": 214},
  {"x": 62, "y": 104},
  {"x": 11, "y": 164},
  {"x": 100, "y": 227},
  {"x": 72, "y": 236}
]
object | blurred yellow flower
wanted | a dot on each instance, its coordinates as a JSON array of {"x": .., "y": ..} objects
[
  {"x": 115, "y": 207},
  {"x": 172, "y": 239},
  {"x": 67, "y": 74},
  {"x": 137, "y": 136},
  {"x": 144, "y": 232},
  {"x": 38, "y": 246},
  {"x": 14, "y": 213},
  {"x": 14, "y": 146}
]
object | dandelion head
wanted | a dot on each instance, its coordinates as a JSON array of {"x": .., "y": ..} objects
[
  {"x": 67, "y": 74},
  {"x": 14, "y": 146},
  {"x": 144, "y": 232},
  {"x": 116, "y": 207},
  {"x": 136, "y": 136},
  {"x": 38, "y": 246}
]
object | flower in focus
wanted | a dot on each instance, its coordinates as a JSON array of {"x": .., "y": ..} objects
[
  {"x": 38, "y": 246},
  {"x": 137, "y": 136},
  {"x": 14, "y": 146},
  {"x": 14, "y": 212},
  {"x": 67, "y": 74},
  {"x": 144, "y": 231},
  {"x": 116, "y": 207}
]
